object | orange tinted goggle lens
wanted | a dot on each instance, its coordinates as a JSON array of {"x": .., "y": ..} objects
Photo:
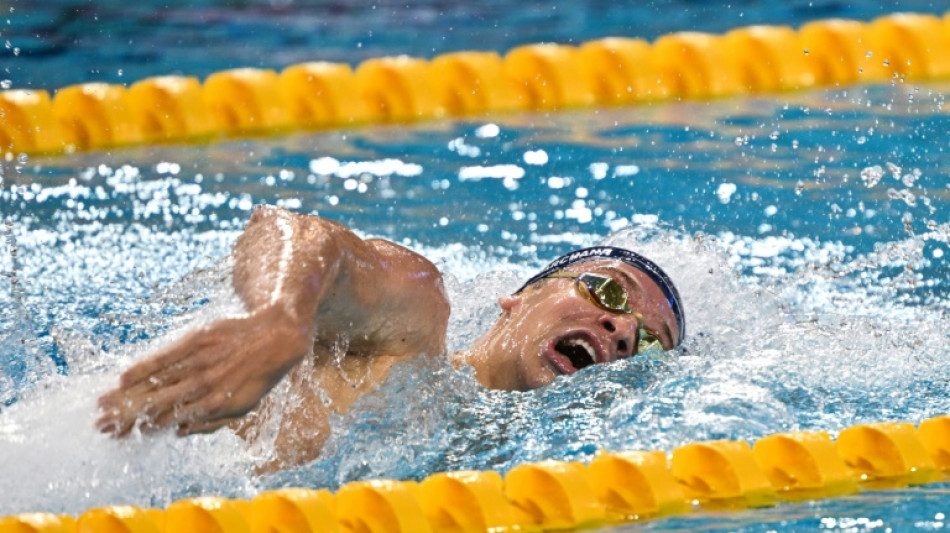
[
  {"x": 610, "y": 295},
  {"x": 605, "y": 291}
]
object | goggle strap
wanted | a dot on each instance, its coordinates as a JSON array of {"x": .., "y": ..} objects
[{"x": 629, "y": 257}]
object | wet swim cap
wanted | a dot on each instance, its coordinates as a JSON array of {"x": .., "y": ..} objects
[{"x": 629, "y": 257}]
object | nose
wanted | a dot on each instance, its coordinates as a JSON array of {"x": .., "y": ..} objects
[{"x": 621, "y": 333}]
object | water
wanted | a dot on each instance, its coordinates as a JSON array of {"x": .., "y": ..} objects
[
  {"x": 59, "y": 42},
  {"x": 806, "y": 231}
]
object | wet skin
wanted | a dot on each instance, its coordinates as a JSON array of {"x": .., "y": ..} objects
[
  {"x": 525, "y": 348},
  {"x": 334, "y": 312}
]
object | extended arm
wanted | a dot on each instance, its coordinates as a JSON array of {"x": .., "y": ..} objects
[{"x": 303, "y": 280}]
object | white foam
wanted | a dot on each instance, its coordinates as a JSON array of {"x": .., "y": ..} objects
[
  {"x": 54, "y": 460},
  {"x": 805, "y": 345}
]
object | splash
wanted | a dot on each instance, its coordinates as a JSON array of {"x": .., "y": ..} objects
[
  {"x": 783, "y": 334},
  {"x": 792, "y": 351}
]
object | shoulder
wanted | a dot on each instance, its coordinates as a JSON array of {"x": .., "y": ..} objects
[
  {"x": 395, "y": 256},
  {"x": 413, "y": 276},
  {"x": 416, "y": 293}
]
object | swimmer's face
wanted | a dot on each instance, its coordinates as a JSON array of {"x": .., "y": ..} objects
[{"x": 553, "y": 328}]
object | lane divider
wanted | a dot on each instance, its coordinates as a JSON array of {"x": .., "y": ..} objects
[
  {"x": 545, "y": 76},
  {"x": 613, "y": 488},
  {"x": 804, "y": 465},
  {"x": 721, "y": 474}
]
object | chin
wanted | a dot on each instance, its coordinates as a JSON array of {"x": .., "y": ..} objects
[{"x": 539, "y": 376}]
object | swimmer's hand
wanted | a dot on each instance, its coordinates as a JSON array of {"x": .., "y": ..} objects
[{"x": 212, "y": 376}]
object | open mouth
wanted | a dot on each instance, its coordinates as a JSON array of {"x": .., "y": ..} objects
[{"x": 578, "y": 351}]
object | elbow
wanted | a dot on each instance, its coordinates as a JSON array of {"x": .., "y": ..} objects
[
  {"x": 263, "y": 212},
  {"x": 441, "y": 311},
  {"x": 270, "y": 217}
]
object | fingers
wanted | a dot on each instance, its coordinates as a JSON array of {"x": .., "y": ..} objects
[
  {"x": 197, "y": 384},
  {"x": 209, "y": 426},
  {"x": 151, "y": 388},
  {"x": 168, "y": 364},
  {"x": 190, "y": 417},
  {"x": 151, "y": 408}
]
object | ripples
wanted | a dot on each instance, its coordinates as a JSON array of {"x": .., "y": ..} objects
[{"x": 815, "y": 298}]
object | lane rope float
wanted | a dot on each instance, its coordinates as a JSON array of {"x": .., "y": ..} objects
[
  {"x": 548, "y": 495},
  {"x": 613, "y": 488},
  {"x": 544, "y": 76}
]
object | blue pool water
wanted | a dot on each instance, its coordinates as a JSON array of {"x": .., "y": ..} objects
[{"x": 807, "y": 232}]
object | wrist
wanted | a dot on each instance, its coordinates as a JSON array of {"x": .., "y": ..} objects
[{"x": 285, "y": 326}]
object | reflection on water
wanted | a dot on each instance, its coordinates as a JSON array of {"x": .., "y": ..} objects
[{"x": 806, "y": 233}]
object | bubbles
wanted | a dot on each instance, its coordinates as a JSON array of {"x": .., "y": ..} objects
[
  {"x": 488, "y": 131},
  {"x": 725, "y": 191},
  {"x": 871, "y": 176},
  {"x": 599, "y": 170},
  {"x": 579, "y": 211},
  {"x": 904, "y": 195},
  {"x": 787, "y": 349},
  {"x": 909, "y": 179},
  {"x": 165, "y": 167},
  {"x": 382, "y": 167},
  {"x": 65, "y": 466},
  {"x": 809, "y": 306},
  {"x": 459, "y": 146},
  {"x": 503, "y": 172},
  {"x": 894, "y": 170},
  {"x": 626, "y": 170},
  {"x": 536, "y": 157}
]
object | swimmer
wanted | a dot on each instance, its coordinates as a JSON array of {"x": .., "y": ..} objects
[{"x": 316, "y": 293}]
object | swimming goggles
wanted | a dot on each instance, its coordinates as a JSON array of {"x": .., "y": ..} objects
[
  {"x": 610, "y": 295},
  {"x": 637, "y": 261}
]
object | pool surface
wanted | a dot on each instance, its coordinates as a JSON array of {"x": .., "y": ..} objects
[{"x": 807, "y": 233}]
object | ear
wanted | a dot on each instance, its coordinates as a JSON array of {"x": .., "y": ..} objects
[{"x": 507, "y": 303}]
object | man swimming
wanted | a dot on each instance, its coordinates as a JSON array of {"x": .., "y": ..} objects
[{"x": 323, "y": 305}]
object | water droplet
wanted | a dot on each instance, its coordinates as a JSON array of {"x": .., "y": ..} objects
[
  {"x": 536, "y": 157},
  {"x": 904, "y": 195},
  {"x": 894, "y": 170},
  {"x": 872, "y": 175}
]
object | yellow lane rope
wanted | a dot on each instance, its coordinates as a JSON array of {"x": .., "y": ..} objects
[
  {"x": 554, "y": 496},
  {"x": 609, "y": 71},
  {"x": 549, "y": 495}
]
